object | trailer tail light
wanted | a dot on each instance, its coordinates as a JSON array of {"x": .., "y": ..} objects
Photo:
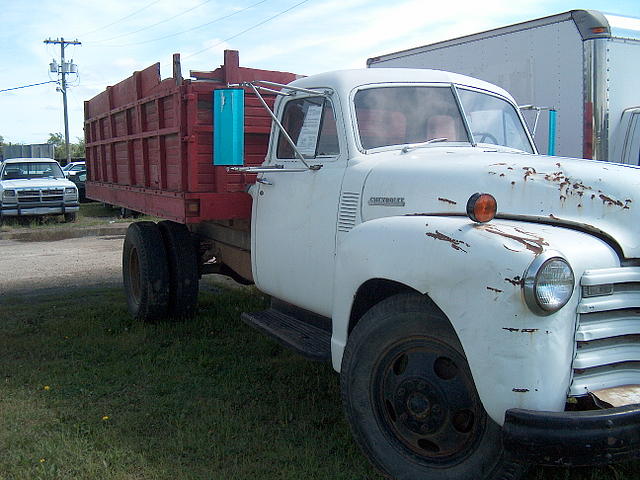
[
  {"x": 599, "y": 30},
  {"x": 481, "y": 207},
  {"x": 193, "y": 207}
]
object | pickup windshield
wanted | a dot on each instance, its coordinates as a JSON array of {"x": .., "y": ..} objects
[
  {"x": 404, "y": 115},
  {"x": 26, "y": 170}
]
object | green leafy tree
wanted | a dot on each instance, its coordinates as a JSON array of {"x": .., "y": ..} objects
[{"x": 76, "y": 149}]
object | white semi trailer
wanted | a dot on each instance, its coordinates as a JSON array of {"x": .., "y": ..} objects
[{"x": 582, "y": 63}]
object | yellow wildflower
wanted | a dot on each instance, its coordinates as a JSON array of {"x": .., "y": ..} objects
[
  {"x": 42, "y": 460},
  {"x": 47, "y": 388},
  {"x": 105, "y": 418}
]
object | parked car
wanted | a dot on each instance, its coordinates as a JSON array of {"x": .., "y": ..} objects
[
  {"x": 79, "y": 180},
  {"x": 36, "y": 186},
  {"x": 73, "y": 168}
]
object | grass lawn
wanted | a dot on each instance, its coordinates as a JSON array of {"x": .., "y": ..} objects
[{"x": 89, "y": 394}]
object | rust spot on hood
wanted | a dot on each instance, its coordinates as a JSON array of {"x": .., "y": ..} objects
[
  {"x": 497, "y": 290},
  {"x": 611, "y": 201},
  {"x": 528, "y": 172},
  {"x": 529, "y": 240},
  {"x": 446, "y": 200},
  {"x": 520, "y": 390},
  {"x": 455, "y": 244}
]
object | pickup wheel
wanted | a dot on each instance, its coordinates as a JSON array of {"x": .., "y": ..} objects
[
  {"x": 145, "y": 272},
  {"x": 70, "y": 217},
  {"x": 182, "y": 259},
  {"x": 409, "y": 396}
]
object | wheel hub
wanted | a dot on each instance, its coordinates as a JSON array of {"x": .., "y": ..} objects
[
  {"x": 427, "y": 403},
  {"x": 417, "y": 405}
]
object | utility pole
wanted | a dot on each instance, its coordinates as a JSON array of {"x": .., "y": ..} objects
[{"x": 64, "y": 69}]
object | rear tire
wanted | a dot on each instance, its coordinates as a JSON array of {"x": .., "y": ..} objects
[
  {"x": 145, "y": 272},
  {"x": 411, "y": 401},
  {"x": 184, "y": 278}
]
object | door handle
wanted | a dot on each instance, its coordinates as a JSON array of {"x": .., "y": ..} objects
[{"x": 263, "y": 181}]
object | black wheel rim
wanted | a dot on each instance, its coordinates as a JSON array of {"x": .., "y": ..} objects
[{"x": 425, "y": 402}]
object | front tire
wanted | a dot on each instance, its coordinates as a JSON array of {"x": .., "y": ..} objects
[
  {"x": 409, "y": 396},
  {"x": 70, "y": 217},
  {"x": 145, "y": 272}
]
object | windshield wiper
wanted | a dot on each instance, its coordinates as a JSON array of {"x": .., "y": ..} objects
[{"x": 413, "y": 146}]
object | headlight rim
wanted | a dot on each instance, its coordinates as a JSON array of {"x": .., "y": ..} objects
[{"x": 530, "y": 281}]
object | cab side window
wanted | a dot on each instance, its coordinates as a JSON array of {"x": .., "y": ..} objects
[{"x": 311, "y": 124}]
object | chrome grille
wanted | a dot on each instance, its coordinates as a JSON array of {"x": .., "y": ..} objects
[
  {"x": 608, "y": 333},
  {"x": 40, "y": 196}
]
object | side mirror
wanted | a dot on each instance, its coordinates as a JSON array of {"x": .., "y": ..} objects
[{"x": 228, "y": 127}]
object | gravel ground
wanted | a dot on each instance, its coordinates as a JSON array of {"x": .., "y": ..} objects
[{"x": 43, "y": 267}]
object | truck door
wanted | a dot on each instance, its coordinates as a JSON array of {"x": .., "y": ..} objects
[
  {"x": 631, "y": 149},
  {"x": 626, "y": 148},
  {"x": 295, "y": 213}
]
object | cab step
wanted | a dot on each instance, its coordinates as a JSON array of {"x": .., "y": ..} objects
[{"x": 310, "y": 341}]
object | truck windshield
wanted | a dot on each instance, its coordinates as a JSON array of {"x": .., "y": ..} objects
[
  {"x": 15, "y": 171},
  {"x": 493, "y": 120},
  {"x": 404, "y": 115}
]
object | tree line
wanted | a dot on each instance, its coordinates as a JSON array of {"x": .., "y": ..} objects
[{"x": 57, "y": 140}]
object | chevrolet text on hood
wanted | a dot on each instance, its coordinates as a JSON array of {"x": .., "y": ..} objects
[{"x": 481, "y": 302}]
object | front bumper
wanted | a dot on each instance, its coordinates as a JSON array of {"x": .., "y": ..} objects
[
  {"x": 594, "y": 437},
  {"x": 14, "y": 210}
]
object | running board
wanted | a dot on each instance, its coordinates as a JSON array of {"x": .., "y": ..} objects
[{"x": 308, "y": 340}]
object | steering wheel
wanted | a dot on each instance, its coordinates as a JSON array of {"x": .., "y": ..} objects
[{"x": 484, "y": 136}]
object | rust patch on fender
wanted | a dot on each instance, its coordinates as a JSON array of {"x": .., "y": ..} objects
[
  {"x": 446, "y": 200},
  {"x": 534, "y": 243},
  {"x": 497, "y": 290},
  {"x": 522, "y": 330},
  {"x": 515, "y": 281},
  {"x": 455, "y": 244}
]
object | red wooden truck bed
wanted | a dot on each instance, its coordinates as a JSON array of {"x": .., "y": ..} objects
[{"x": 149, "y": 143}]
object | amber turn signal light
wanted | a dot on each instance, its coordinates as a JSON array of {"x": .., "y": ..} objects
[
  {"x": 193, "y": 207},
  {"x": 481, "y": 207}
]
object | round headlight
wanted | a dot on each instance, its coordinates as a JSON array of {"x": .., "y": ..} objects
[{"x": 548, "y": 283}]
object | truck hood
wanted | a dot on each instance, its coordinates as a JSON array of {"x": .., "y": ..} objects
[
  {"x": 600, "y": 197},
  {"x": 33, "y": 183}
]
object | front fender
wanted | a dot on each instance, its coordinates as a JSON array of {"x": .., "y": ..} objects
[{"x": 473, "y": 272}]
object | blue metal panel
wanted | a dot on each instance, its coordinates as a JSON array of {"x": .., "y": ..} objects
[
  {"x": 551, "y": 150},
  {"x": 228, "y": 127}
]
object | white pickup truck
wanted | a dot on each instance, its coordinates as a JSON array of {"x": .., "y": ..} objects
[
  {"x": 34, "y": 187},
  {"x": 481, "y": 302}
]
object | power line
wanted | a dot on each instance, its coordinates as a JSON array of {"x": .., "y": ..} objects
[
  {"x": 154, "y": 24},
  {"x": 191, "y": 29},
  {"x": 246, "y": 30},
  {"x": 27, "y": 86},
  {"x": 121, "y": 19}
]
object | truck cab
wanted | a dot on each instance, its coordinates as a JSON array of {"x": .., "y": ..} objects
[{"x": 375, "y": 232}]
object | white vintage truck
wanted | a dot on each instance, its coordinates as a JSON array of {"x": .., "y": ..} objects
[
  {"x": 36, "y": 187},
  {"x": 481, "y": 302}
]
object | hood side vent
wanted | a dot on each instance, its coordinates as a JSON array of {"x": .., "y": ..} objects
[{"x": 349, "y": 203}]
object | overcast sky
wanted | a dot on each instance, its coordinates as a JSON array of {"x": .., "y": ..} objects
[{"x": 300, "y": 36}]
